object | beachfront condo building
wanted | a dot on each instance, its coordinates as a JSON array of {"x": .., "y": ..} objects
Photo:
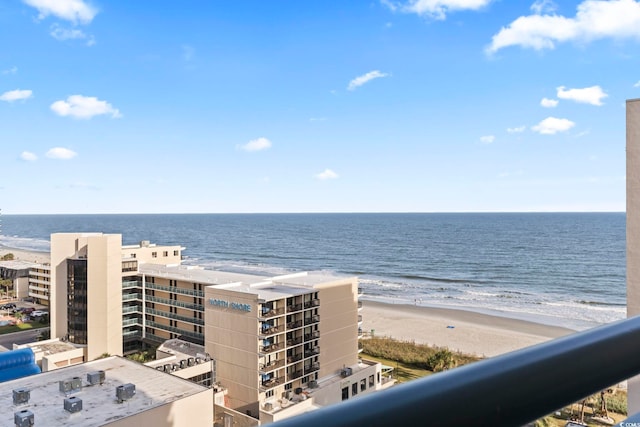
[
  {"x": 633, "y": 231},
  {"x": 279, "y": 345}
]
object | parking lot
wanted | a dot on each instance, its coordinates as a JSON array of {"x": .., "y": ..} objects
[{"x": 16, "y": 312}]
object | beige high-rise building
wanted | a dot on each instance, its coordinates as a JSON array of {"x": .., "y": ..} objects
[{"x": 633, "y": 231}]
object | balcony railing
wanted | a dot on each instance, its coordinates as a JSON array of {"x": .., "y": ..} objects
[
  {"x": 294, "y": 358},
  {"x": 168, "y": 315},
  {"x": 271, "y": 313},
  {"x": 175, "y": 303},
  {"x": 295, "y": 374},
  {"x": 294, "y": 307},
  {"x": 312, "y": 352},
  {"x": 272, "y": 330},
  {"x": 274, "y": 364},
  {"x": 294, "y": 325},
  {"x": 311, "y": 368},
  {"x": 312, "y": 336},
  {"x": 509, "y": 390},
  {"x": 294, "y": 341},
  {"x": 272, "y": 347},
  {"x": 312, "y": 303},
  {"x": 270, "y": 383},
  {"x": 311, "y": 320}
]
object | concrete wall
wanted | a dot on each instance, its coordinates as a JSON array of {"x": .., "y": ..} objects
[
  {"x": 191, "y": 411},
  {"x": 231, "y": 338},
  {"x": 633, "y": 231}
]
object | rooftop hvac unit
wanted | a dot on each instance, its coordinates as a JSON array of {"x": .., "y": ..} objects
[
  {"x": 175, "y": 367},
  {"x": 313, "y": 384},
  {"x": 268, "y": 406},
  {"x": 199, "y": 360},
  {"x": 95, "y": 377},
  {"x": 21, "y": 396},
  {"x": 68, "y": 386},
  {"x": 191, "y": 361},
  {"x": 167, "y": 367},
  {"x": 125, "y": 392},
  {"x": 183, "y": 364},
  {"x": 73, "y": 404},
  {"x": 23, "y": 418}
]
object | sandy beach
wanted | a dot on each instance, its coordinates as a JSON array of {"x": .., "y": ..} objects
[
  {"x": 30, "y": 256},
  {"x": 464, "y": 331}
]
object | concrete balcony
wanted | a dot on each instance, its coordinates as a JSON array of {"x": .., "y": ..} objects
[
  {"x": 265, "y": 332},
  {"x": 271, "y": 348},
  {"x": 271, "y": 366},
  {"x": 267, "y": 314},
  {"x": 270, "y": 383}
]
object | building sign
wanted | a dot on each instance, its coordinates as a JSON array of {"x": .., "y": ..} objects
[{"x": 232, "y": 305}]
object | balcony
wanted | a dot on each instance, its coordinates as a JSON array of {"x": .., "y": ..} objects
[
  {"x": 360, "y": 333},
  {"x": 312, "y": 303},
  {"x": 311, "y": 368},
  {"x": 273, "y": 365},
  {"x": 270, "y": 383},
  {"x": 359, "y": 305},
  {"x": 311, "y": 320},
  {"x": 360, "y": 291},
  {"x": 266, "y": 314},
  {"x": 312, "y": 352},
  {"x": 312, "y": 336},
  {"x": 131, "y": 297},
  {"x": 264, "y": 332},
  {"x": 513, "y": 389},
  {"x": 294, "y": 307},
  {"x": 294, "y": 325},
  {"x": 266, "y": 349},
  {"x": 294, "y": 341},
  {"x": 359, "y": 318},
  {"x": 294, "y": 358},
  {"x": 296, "y": 374}
]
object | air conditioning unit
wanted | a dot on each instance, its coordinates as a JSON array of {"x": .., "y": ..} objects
[
  {"x": 183, "y": 364},
  {"x": 125, "y": 392},
  {"x": 191, "y": 361},
  {"x": 69, "y": 386},
  {"x": 95, "y": 377},
  {"x": 23, "y": 418},
  {"x": 268, "y": 406},
  {"x": 167, "y": 367},
  {"x": 73, "y": 404},
  {"x": 313, "y": 384},
  {"x": 21, "y": 396}
]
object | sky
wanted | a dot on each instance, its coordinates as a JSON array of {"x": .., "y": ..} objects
[{"x": 315, "y": 106}]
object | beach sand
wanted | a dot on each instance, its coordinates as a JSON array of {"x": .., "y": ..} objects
[
  {"x": 465, "y": 331},
  {"x": 30, "y": 256}
]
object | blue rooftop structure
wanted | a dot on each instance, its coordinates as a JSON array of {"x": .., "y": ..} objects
[{"x": 17, "y": 364}]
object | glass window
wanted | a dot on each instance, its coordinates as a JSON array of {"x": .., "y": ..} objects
[
  {"x": 345, "y": 393},
  {"x": 154, "y": 254},
  {"x": 354, "y": 389},
  {"x": 363, "y": 384},
  {"x": 371, "y": 381}
]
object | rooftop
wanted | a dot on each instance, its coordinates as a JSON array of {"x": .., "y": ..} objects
[
  {"x": 265, "y": 286},
  {"x": 99, "y": 403}
]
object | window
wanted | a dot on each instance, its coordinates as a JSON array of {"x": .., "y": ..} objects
[
  {"x": 363, "y": 384},
  {"x": 354, "y": 389},
  {"x": 165, "y": 253},
  {"x": 154, "y": 254},
  {"x": 371, "y": 381},
  {"x": 288, "y": 386},
  {"x": 176, "y": 253},
  {"x": 269, "y": 393},
  {"x": 345, "y": 393}
]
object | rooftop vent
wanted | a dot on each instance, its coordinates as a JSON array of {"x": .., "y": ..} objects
[
  {"x": 183, "y": 363},
  {"x": 20, "y": 396},
  {"x": 125, "y": 392},
  {"x": 23, "y": 418},
  {"x": 69, "y": 386},
  {"x": 73, "y": 404},
  {"x": 191, "y": 361},
  {"x": 95, "y": 377}
]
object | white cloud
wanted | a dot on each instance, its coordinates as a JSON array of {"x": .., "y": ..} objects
[
  {"x": 60, "y": 33},
  {"x": 518, "y": 129},
  {"x": 595, "y": 19},
  {"x": 84, "y": 107},
  {"x": 16, "y": 95},
  {"x": 543, "y": 6},
  {"x": 436, "y": 9},
  {"x": 327, "y": 174},
  {"x": 360, "y": 80},
  {"x": 589, "y": 95},
  {"x": 256, "y": 145},
  {"x": 11, "y": 70},
  {"x": 637, "y": 84},
  {"x": 487, "y": 139},
  {"x": 61, "y": 153},
  {"x": 549, "y": 103},
  {"x": 553, "y": 125},
  {"x": 28, "y": 156},
  {"x": 76, "y": 11}
]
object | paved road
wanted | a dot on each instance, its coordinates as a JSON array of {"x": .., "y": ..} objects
[{"x": 22, "y": 337}]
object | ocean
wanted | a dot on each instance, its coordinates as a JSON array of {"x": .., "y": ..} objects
[{"x": 563, "y": 269}]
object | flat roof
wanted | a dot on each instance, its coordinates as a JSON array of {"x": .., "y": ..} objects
[
  {"x": 267, "y": 287},
  {"x": 19, "y": 264},
  {"x": 48, "y": 347},
  {"x": 99, "y": 404}
]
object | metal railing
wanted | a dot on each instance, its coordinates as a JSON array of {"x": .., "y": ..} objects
[{"x": 508, "y": 390}]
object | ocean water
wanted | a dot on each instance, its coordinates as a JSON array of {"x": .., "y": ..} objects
[{"x": 559, "y": 268}]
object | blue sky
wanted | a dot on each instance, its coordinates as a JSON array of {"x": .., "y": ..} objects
[{"x": 317, "y": 106}]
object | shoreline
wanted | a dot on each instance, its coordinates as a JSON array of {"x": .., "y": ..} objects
[
  {"x": 458, "y": 330},
  {"x": 462, "y": 330}
]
